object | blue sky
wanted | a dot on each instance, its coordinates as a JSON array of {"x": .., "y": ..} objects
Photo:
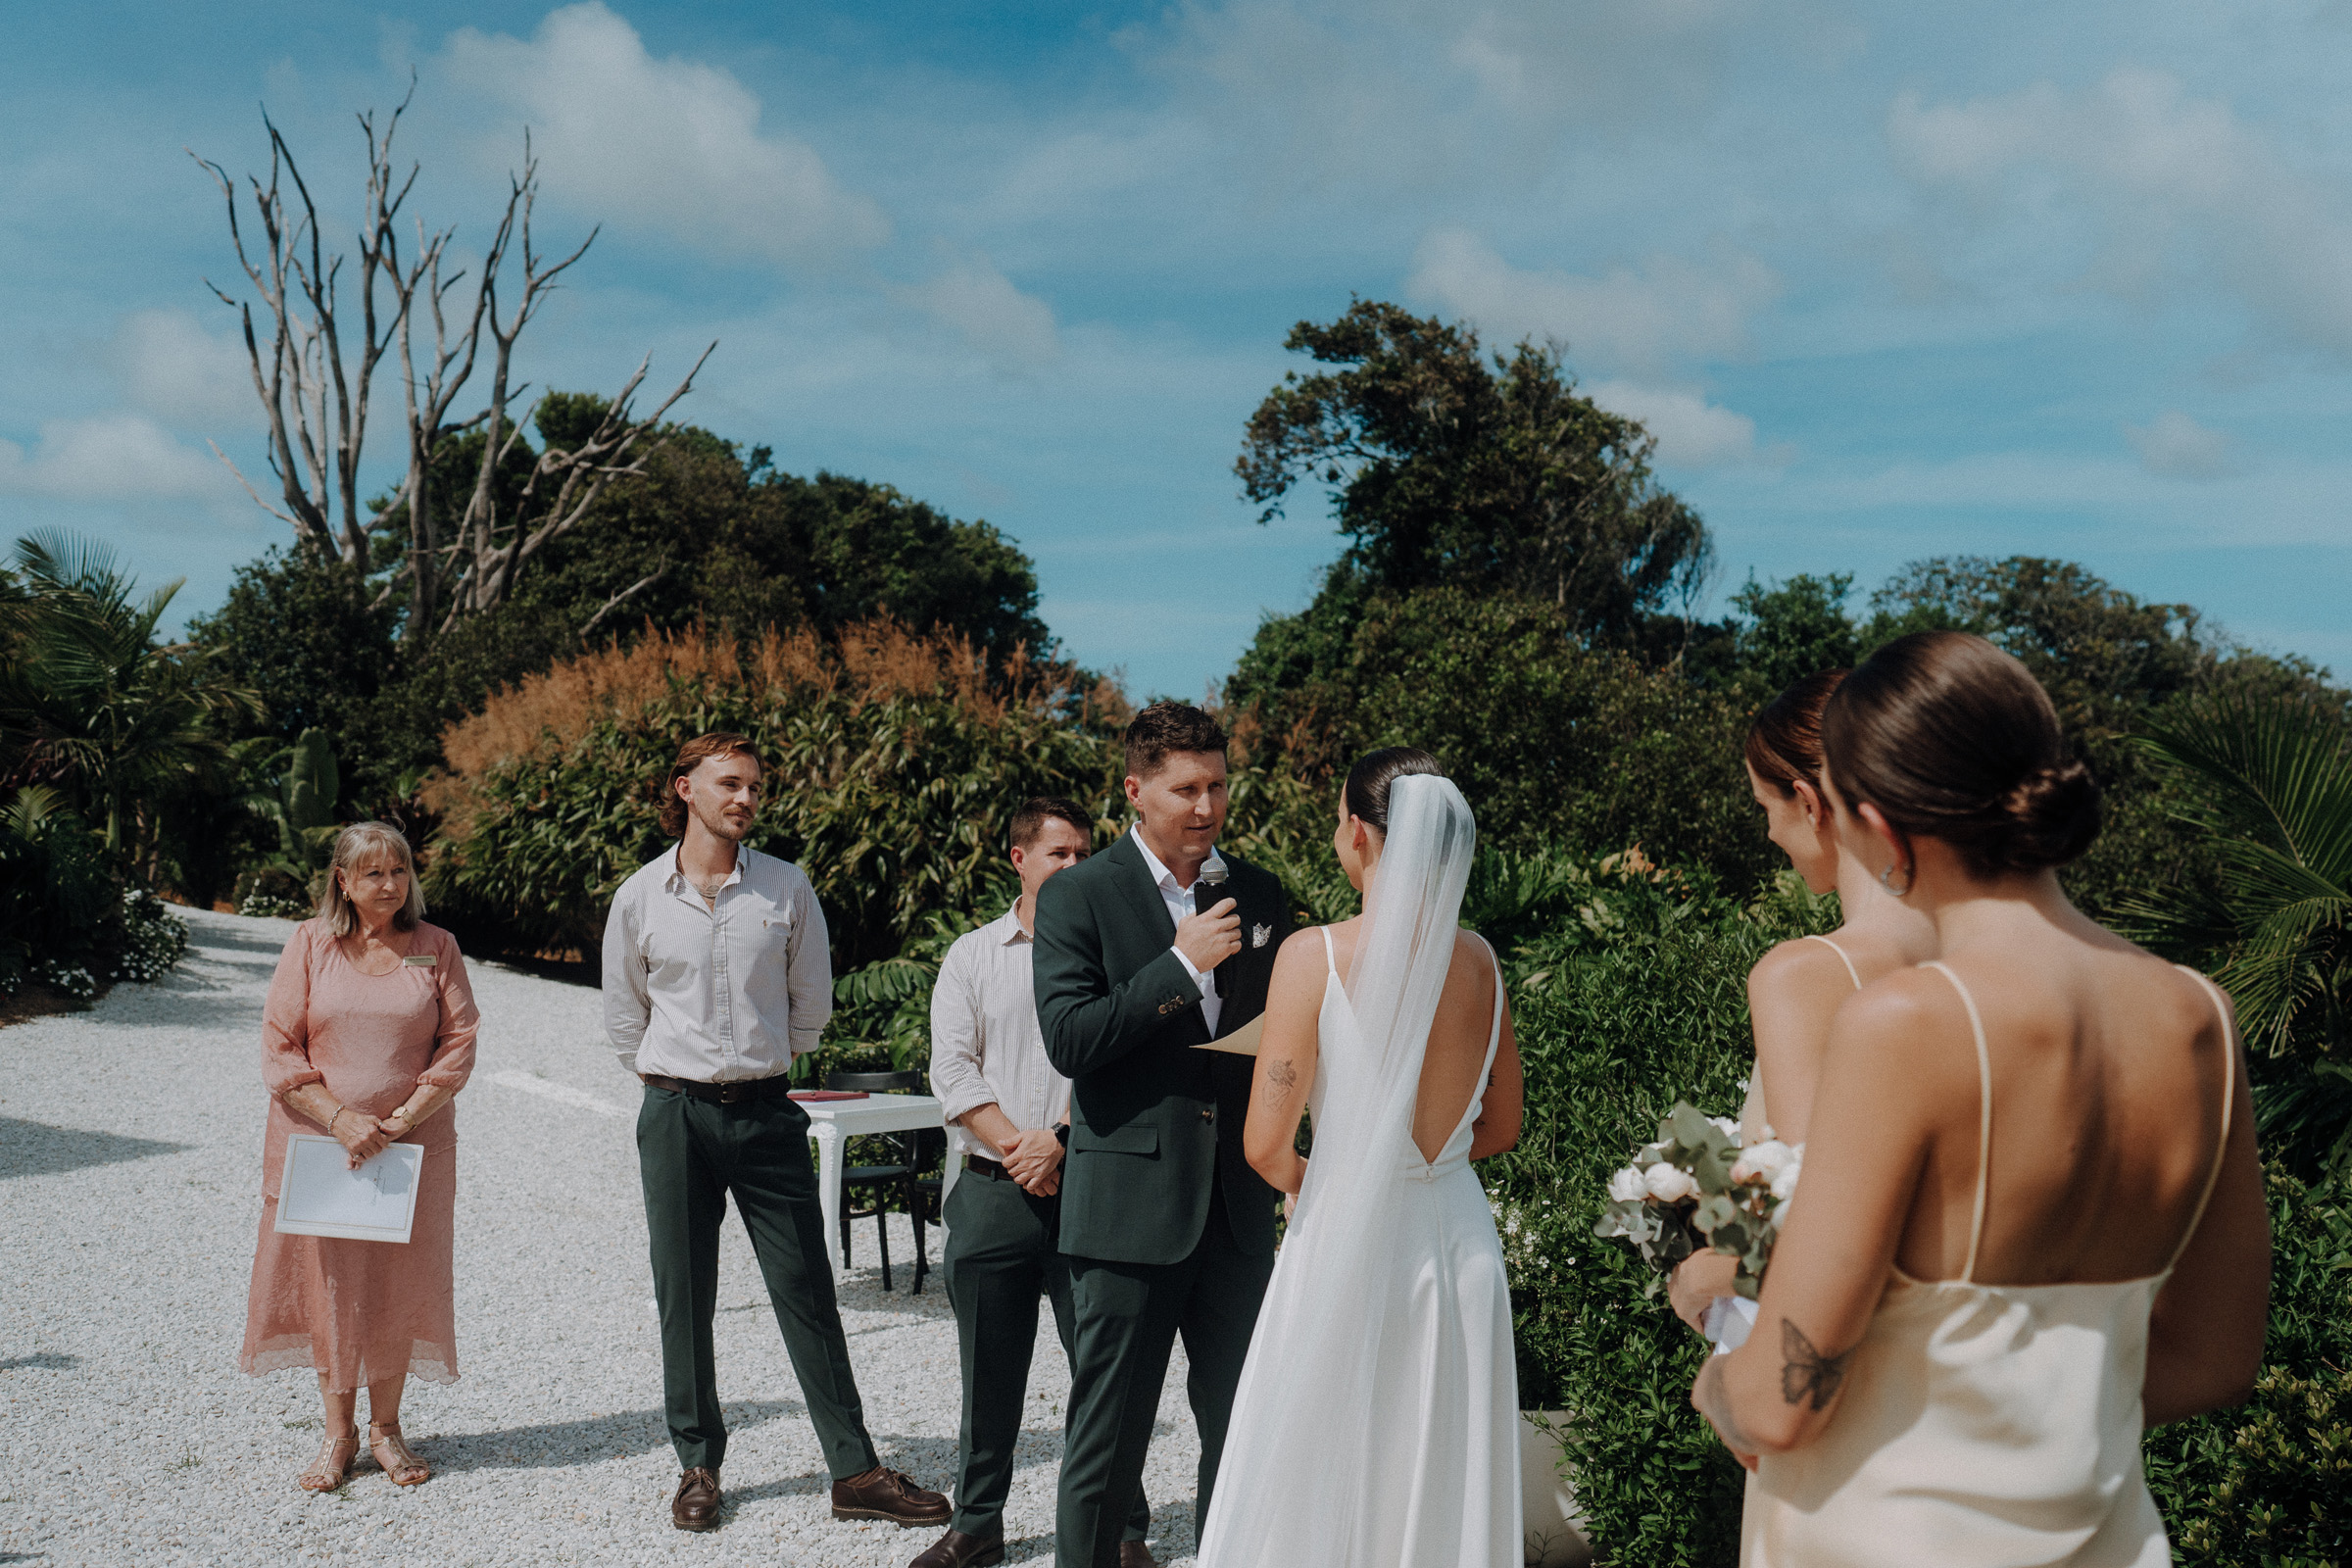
[{"x": 1886, "y": 280}]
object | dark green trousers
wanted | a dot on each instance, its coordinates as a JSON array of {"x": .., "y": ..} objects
[
  {"x": 1002, "y": 1254},
  {"x": 1129, "y": 1316},
  {"x": 691, "y": 1153}
]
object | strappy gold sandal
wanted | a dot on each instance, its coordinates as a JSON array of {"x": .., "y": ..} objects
[
  {"x": 399, "y": 1460},
  {"x": 332, "y": 1467}
]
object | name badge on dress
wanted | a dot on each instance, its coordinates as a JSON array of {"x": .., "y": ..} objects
[{"x": 421, "y": 960}]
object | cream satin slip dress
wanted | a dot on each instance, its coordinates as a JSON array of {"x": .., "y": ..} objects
[{"x": 1983, "y": 1426}]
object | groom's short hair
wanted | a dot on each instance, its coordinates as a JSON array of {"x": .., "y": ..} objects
[{"x": 1166, "y": 727}]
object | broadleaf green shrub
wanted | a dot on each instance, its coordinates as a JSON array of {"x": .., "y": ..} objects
[
  {"x": 894, "y": 767},
  {"x": 68, "y": 919},
  {"x": 2268, "y": 1483},
  {"x": 1634, "y": 998}
]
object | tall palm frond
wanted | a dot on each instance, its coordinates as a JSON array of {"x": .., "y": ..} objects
[
  {"x": 2278, "y": 917},
  {"x": 92, "y": 704}
]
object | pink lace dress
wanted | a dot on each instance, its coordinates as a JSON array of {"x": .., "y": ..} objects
[{"x": 360, "y": 1311}]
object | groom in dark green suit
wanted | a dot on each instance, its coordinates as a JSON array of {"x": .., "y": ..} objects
[{"x": 1139, "y": 963}]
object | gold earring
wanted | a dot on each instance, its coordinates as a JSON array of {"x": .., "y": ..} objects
[{"x": 1886, "y": 881}]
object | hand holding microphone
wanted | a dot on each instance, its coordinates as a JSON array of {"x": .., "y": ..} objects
[{"x": 1213, "y": 935}]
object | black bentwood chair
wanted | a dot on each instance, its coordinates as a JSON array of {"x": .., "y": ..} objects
[{"x": 904, "y": 1177}]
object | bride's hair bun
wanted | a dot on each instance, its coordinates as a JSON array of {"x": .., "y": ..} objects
[{"x": 1952, "y": 739}]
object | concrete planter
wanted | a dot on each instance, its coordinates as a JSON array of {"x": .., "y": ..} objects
[{"x": 1554, "y": 1533}]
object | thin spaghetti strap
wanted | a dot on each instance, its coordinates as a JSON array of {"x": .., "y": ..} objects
[
  {"x": 1976, "y": 1023},
  {"x": 1851, "y": 972},
  {"x": 2228, "y": 1095},
  {"x": 1331, "y": 964},
  {"x": 1494, "y": 1030}
]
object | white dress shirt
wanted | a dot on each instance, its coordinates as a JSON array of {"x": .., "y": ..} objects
[
  {"x": 984, "y": 1042},
  {"x": 1180, "y": 904},
  {"x": 718, "y": 992}
]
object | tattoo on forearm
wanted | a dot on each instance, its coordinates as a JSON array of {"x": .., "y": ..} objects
[
  {"x": 1281, "y": 1078},
  {"x": 1808, "y": 1373}
]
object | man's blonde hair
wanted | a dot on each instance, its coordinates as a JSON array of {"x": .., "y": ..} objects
[{"x": 359, "y": 842}]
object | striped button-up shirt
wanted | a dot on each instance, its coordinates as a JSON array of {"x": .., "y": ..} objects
[{"x": 718, "y": 992}]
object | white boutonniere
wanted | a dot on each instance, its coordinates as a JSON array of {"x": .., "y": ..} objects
[{"x": 1259, "y": 935}]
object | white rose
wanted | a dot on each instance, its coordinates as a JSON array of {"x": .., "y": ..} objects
[
  {"x": 1669, "y": 1184},
  {"x": 1726, "y": 1126},
  {"x": 1624, "y": 1187},
  {"x": 1783, "y": 1183},
  {"x": 1761, "y": 1162}
]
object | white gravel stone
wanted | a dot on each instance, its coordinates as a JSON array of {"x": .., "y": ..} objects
[{"x": 130, "y": 1200}]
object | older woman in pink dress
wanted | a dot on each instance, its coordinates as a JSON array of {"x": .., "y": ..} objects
[{"x": 367, "y": 1032}]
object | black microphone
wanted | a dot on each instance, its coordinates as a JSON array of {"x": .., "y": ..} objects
[{"x": 1208, "y": 890}]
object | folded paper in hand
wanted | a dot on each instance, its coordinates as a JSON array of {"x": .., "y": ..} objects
[
  {"x": 1243, "y": 1041},
  {"x": 319, "y": 1194}
]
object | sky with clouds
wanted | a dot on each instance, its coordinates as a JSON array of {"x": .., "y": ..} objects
[{"x": 1885, "y": 280}]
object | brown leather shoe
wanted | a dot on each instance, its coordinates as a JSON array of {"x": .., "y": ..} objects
[
  {"x": 1134, "y": 1554},
  {"x": 956, "y": 1549},
  {"x": 884, "y": 1494},
  {"x": 696, "y": 1506}
]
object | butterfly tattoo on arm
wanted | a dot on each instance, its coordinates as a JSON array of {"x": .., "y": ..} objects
[{"x": 1806, "y": 1373}]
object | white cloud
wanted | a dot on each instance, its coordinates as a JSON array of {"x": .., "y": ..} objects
[
  {"x": 993, "y": 315},
  {"x": 121, "y": 456},
  {"x": 671, "y": 146},
  {"x": 175, "y": 369},
  {"x": 1641, "y": 323},
  {"x": 1692, "y": 432},
  {"x": 2178, "y": 190},
  {"x": 1432, "y": 92},
  {"x": 2177, "y": 447},
  {"x": 1635, "y": 322}
]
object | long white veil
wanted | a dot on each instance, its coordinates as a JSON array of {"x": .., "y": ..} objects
[{"x": 1288, "y": 1488}]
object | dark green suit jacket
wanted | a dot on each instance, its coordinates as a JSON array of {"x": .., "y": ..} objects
[{"x": 1152, "y": 1118}]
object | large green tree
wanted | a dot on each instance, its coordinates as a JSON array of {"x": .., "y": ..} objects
[
  {"x": 708, "y": 533},
  {"x": 1450, "y": 466}
]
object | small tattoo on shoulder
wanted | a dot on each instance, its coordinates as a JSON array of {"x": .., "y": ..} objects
[
  {"x": 1280, "y": 1076},
  {"x": 1806, "y": 1373}
]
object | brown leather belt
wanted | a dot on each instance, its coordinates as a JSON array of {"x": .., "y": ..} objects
[
  {"x": 982, "y": 1165},
  {"x": 743, "y": 1090}
]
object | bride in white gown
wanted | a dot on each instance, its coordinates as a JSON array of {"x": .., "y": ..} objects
[{"x": 1376, "y": 1425}]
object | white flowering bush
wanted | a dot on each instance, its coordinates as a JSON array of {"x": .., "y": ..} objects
[
  {"x": 1697, "y": 1187},
  {"x": 153, "y": 939},
  {"x": 65, "y": 978}
]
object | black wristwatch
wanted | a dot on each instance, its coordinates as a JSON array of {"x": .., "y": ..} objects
[{"x": 1061, "y": 1134}]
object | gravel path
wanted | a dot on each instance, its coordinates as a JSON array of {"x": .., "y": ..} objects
[{"x": 129, "y": 1201}]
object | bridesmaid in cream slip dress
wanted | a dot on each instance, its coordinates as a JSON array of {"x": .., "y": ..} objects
[
  {"x": 1800, "y": 985},
  {"x": 2030, "y": 1223}
]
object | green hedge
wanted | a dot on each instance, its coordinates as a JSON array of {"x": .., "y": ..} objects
[
  {"x": 2269, "y": 1485},
  {"x": 1637, "y": 998}
]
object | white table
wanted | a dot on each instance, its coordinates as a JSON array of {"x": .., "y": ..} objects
[{"x": 833, "y": 1122}]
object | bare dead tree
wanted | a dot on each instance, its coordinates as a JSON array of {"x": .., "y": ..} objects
[
  {"x": 316, "y": 410},
  {"x": 318, "y": 415}
]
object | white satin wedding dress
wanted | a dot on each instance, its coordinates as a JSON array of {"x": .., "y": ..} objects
[{"x": 1377, "y": 1420}]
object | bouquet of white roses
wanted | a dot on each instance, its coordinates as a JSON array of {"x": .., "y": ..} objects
[{"x": 1698, "y": 1187}]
